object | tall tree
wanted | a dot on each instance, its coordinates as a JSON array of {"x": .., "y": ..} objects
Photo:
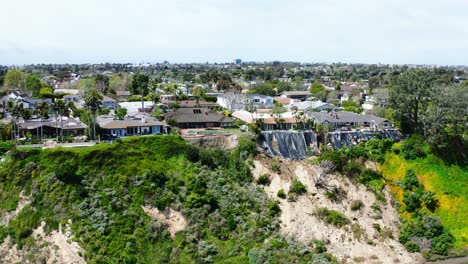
[
  {"x": 102, "y": 83},
  {"x": 409, "y": 96},
  {"x": 198, "y": 92},
  {"x": 59, "y": 108},
  {"x": 33, "y": 84},
  {"x": 139, "y": 86},
  {"x": 42, "y": 111},
  {"x": 14, "y": 80},
  {"x": 93, "y": 101}
]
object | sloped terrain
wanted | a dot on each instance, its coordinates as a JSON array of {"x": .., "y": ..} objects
[{"x": 369, "y": 237}]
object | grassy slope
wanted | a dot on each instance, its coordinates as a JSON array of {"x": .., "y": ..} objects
[{"x": 449, "y": 182}]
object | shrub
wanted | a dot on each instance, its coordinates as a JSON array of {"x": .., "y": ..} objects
[
  {"x": 274, "y": 208},
  {"x": 264, "y": 179},
  {"x": 281, "y": 194},
  {"x": 442, "y": 243},
  {"x": 429, "y": 200},
  {"x": 331, "y": 217},
  {"x": 352, "y": 169},
  {"x": 335, "y": 194},
  {"x": 319, "y": 246},
  {"x": 411, "y": 201},
  {"x": 412, "y": 147},
  {"x": 5, "y": 146},
  {"x": 298, "y": 187},
  {"x": 410, "y": 182},
  {"x": 368, "y": 175},
  {"x": 275, "y": 167},
  {"x": 356, "y": 205},
  {"x": 334, "y": 156},
  {"x": 412, "y": 247}
]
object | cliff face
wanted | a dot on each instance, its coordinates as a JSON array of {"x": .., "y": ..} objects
[{"x": 369, "y": 237}]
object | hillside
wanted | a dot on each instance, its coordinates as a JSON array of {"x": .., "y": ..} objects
[
  {"x": 448, "y": 182},
  {"x": 141, "y": 200}
]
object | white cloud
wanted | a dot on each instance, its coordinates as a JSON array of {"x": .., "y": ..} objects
[{"x": 388, "y": 31}]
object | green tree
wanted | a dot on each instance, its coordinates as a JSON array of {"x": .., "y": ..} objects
[
  {"x": 14, "y": 80},
  {"x": 139, "y": 86},
  {"x": 198, "y": 92},
  {"x": 121, "y": 113},
  {"x": 33, "y": 84},
  {"x": 102, "y": 83},
  {"x": 93, "y": 101},
  {"x": 42, "y": 111},
  {"x": 409, "y": 96}
]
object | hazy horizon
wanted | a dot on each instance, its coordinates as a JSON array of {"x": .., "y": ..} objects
[{"x": 181, "y": 31}]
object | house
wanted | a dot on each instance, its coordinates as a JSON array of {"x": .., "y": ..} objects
[
  {"x": 300, "y": 95},
  {"x": 237, "y": 101},
  {"x": 198, "y": 118},
  {"x": 74, "y": 98},
  {"x": 141, "y": 124},
  {"x": 312, "y": 106},
  {"x": 346, "y": 119},
  {"x": 270, "y": 121},
  {"x": 285, "y": 100},
  {"x": 193, "y": 103},
  {"x": 52, "y": 127},
  {"x": 108, "y": 102},
  {"x": 123, "y": 96}
]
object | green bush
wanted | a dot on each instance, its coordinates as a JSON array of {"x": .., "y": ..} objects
[
  {"x": 442, "y": 243},
  {"x": 6, "y": 146},
  {"x": 356, "y": 205},
  {"x": 412, "y": 201},
  {"x": 298, "y": 187},
  {"x": 264, "y": 179},
  {"x": 412, "y": 247},
  {"x": 352, "y": 169},
  {"x": 429, "y": 200},
  {"x": 368, "y": 175},
  {"x": 410, "y": 181},
  {"x": 412, "y": 147},
  {"x": 281, "y": 194},
  {"x": 331, "y": 217},
  {"x": 334, "y": 156},
  {"x": 275, "y": 167}
]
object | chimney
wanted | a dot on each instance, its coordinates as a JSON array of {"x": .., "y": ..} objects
[{"x": 143, "y": 120}]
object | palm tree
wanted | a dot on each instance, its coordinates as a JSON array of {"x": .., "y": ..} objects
[
  {"x": 43, "y": 111},
  {"x": 58, "y": 107},
  {"x": 93, "y": 102},
  {"x": 198, "y": 92}
]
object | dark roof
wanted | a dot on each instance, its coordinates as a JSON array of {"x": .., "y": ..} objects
[{"x": 198, "y": 115}]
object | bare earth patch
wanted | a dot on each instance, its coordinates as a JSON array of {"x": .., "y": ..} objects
[
  {"x": 360, "y": 239},
  {"x": 23, "y": 201},
  {"x": 56, "y": 247},
  {"x": 173, "y": 219}
]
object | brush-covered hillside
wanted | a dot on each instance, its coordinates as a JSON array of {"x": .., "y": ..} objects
[{"x": 140, "y": 200}]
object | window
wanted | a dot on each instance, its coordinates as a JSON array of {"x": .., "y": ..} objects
[{"x": 196, "y": 111}]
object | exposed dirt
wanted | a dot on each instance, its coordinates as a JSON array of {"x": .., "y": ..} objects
[
  {"x": 23, "y": 201},
  {"x": 56, "y": 247},
  {"x": 173, "y": 219},
  {"x": 359, "y": 241}
]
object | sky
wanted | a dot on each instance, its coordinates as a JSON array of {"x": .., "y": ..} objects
[{"x": 357, "y": 31}]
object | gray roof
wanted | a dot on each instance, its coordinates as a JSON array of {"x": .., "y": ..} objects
[
  {"x": 143, "y": 120},
  {"x": 346, "y": 117},
  {"x": 198, "y": 115}
]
